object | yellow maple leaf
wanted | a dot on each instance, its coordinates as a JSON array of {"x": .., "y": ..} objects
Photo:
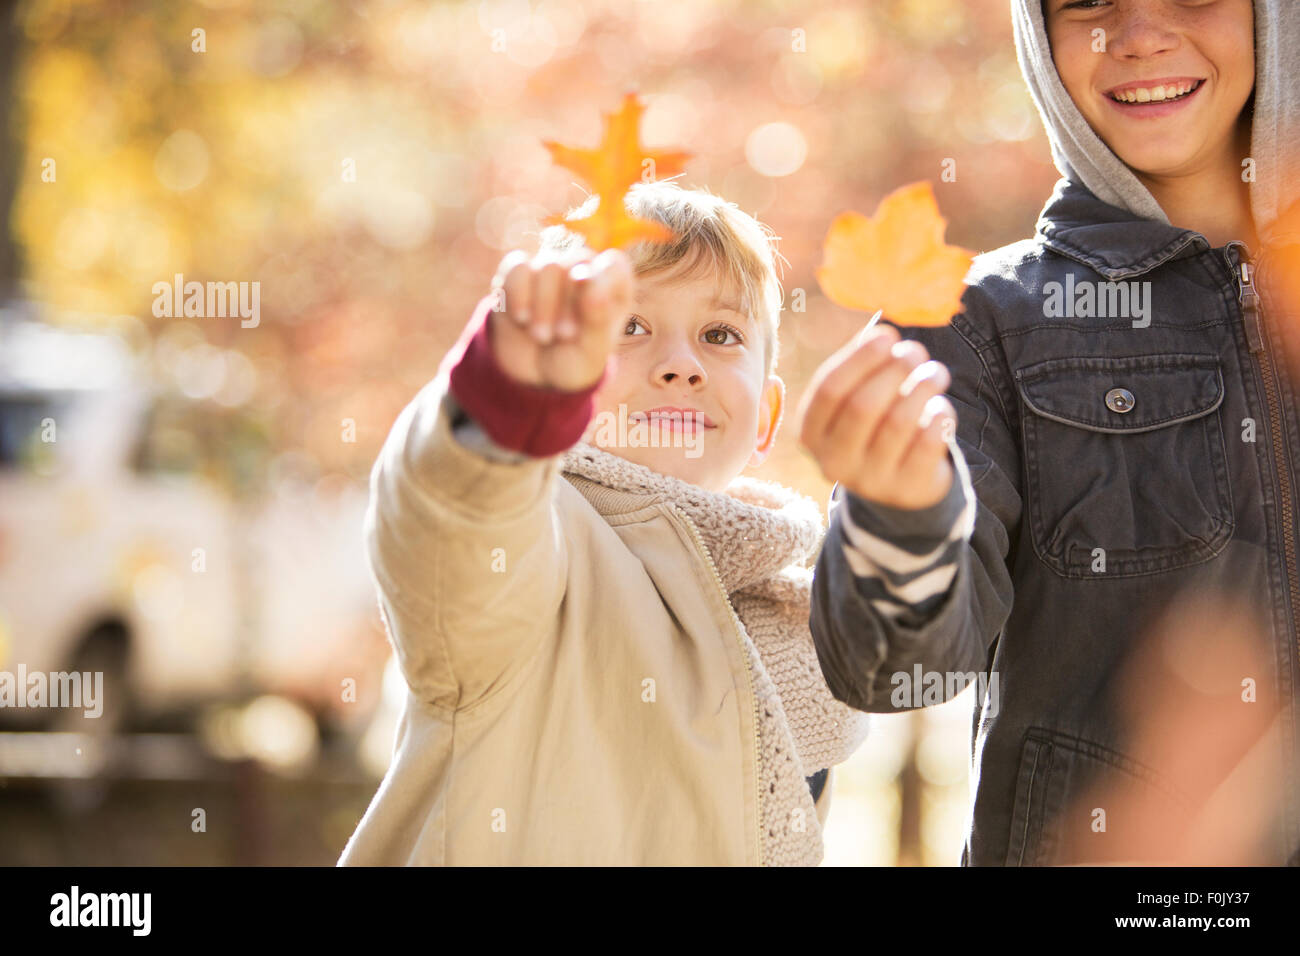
[
  {"x": 895, "y": 260},
  {"x": 610, "y": 170}
]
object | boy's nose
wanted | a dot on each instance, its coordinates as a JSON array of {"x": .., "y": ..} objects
[
  {"x": 680, "y": 362},
  {"x": 1142, "y": 30}
]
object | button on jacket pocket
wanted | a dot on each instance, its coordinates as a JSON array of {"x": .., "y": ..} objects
[{"x": 1125, "y": 455}]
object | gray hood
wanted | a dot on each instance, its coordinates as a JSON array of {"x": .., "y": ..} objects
[{"x": 1082, "y": 157}]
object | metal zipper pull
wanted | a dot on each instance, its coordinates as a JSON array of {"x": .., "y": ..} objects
[
  {"x": 1250, "y": 307},
  {"x": 1247, "y": 296}
]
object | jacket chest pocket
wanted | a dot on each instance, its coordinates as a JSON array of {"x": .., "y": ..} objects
[{"x": 1126, "y": 472}]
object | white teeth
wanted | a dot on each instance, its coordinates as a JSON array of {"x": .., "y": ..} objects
[{"x": 1155, "y": 94}]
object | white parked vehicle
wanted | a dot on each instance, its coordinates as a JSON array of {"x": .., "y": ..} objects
[{"x": 118, "y": 554}]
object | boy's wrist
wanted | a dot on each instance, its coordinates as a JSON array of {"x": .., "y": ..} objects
[
  {"x": 469, "y": 434},
  {"x": 931, "y": 523},
  {"x": 518, "y": 417}
]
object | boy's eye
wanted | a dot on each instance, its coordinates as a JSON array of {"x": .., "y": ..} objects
[
  {"x": 722, "y": 330},
  {"x": 714, "y": 336}
]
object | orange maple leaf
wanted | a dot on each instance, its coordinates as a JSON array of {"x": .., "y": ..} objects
[
  {"x": 610, "y": 170},
  {"x": 895, "y": 260}
]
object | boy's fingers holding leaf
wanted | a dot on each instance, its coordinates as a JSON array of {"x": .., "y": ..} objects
[
  {"x": 925, "y": 464},
  {"x": 839, "y": 376},
  {"x": 937, "y": 422},
  {"x": 843, "y": 452},
  {"x": 514, "y": 280},
  {"x": 873, "y": 426},
  {"x": 906, "y": 417},
  {"x": 604, "y": 295},
  {"x": 568, "y": 316},
  {"x": 550, "y": 294},
  {"x": 553, "y": 293},
  {"x": 867, "y": 384}
]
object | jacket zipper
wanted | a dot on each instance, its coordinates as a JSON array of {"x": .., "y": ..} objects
[
  {"x": 1248, "y": 296},
  {"x": 1243, "y": 270},
  {"x": 749, "y": 675}
]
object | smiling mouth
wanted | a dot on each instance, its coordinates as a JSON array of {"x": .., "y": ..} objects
[
  {"x": 1158, "y": 93},
  {"x": 679, "y": 419}
]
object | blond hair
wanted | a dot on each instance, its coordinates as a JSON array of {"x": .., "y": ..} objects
[{"x": 712, "y": 233}]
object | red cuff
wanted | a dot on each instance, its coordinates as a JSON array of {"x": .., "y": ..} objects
[{"x": 526, "y": 418}]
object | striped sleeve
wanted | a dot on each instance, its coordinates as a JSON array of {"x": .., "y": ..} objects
[{"x": 904, "y": 561}]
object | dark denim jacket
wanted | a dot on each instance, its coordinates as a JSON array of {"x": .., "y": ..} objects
[{"x": 1127, "y": 433}]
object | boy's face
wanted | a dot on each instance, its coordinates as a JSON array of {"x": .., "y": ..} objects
[
  {"x": 681, "y": 352},
  {"x": 1152, "y": 51}
]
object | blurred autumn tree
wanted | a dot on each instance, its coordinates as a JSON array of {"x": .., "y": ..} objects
[
  {"x": 9, "y": 46},
  {"x": 369, "y": 163}
]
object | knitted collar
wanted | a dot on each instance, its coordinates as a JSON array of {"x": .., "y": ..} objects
[{"x": 753, "y": 529}]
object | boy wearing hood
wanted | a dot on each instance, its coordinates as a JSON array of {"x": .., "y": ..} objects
[{"x": 1127, "y": 434}]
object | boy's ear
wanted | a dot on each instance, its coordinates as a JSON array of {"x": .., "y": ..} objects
[{"x": 771, "y": 406}]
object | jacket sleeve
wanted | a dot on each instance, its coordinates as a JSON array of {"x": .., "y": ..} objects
[
  {"x": 865, "y": 629},
  {"x": 463, "y": 539}
]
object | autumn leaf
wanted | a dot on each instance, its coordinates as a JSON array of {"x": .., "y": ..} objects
[
  {"x": 610, "y": 170},
  {"x": 895, "y": 260}
]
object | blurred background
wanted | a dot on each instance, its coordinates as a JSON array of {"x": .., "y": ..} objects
[{"x": 181, "y": 497}]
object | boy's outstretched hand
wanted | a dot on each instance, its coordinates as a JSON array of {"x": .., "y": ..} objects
[
  {"x": 876, "y": 422},
  {"x": 560, "y": 316}
]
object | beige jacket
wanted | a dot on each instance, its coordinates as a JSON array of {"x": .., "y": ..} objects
[{"x": 532, "y": 631}]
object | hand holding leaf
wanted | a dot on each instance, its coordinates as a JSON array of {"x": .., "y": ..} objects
[
  {"x": 874, "y": 416},
  {"x": 560, "y": 314}
]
